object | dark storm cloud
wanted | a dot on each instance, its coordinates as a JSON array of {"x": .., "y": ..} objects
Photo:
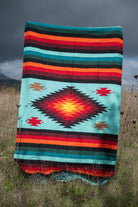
[{"x": 93, "y": 13}]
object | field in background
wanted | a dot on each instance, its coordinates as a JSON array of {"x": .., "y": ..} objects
[{"x": 16, "y": 189}]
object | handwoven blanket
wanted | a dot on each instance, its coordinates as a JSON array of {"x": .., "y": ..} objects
[{"x": 69, "y": 112}]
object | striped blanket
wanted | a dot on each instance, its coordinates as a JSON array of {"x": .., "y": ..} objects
[{"x": 69, "y": 111}]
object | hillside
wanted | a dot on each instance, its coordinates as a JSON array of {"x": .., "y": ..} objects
[{"x": 6, "y": 82}]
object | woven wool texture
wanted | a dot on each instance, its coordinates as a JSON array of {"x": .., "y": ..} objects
[{"x": 69, "y": 111}]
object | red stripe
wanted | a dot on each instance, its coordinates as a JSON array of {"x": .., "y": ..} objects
[
  {"x": 67, "y": 139},
  {"x": 111, "y": 47},
  {"x": 60, "y": 76},
  {"x": 27, "y": 133},
  {"x": 97, "y": 167},
  {"x": 48, "y": 166},
  {"x": 74, "y": 43},
  {"x": 67, "y": 168},
  {"x": 72, "y": 73},
  {"x": 49, "y": 169}
]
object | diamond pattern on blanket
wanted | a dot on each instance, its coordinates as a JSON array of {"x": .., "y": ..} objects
[{"x": 68, "y": 106}]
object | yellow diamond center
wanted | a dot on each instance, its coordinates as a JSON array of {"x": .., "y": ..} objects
[{"x": 69, "y": 106}]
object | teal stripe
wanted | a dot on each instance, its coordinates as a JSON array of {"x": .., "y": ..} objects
[
  {"x": 73, "y": 31},
  {"x": 36, "y": 149},
  {"x": 71, "y": 54},
  {"x": 67, "y": 156},
  {"x": 66, "y": 176},
  {"x": 60, "y": 159},
  {"x": 70, "y": 61},
  {"x": 30, "y": 52},
  {"x": 100, "y": 29}
]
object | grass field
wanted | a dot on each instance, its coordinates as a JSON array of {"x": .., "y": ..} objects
[{"x": 16, "y": 189}]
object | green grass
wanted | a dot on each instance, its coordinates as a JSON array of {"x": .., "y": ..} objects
[{"x": 16, "y": 189}]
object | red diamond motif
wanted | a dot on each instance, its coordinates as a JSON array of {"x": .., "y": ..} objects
[
  {"x": 103, "y": 91},
  {"x": 34, "y": 121},
  {"x": 68, "y": 106}
]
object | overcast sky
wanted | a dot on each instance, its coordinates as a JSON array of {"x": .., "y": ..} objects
[{"x": 90, "y": 13}]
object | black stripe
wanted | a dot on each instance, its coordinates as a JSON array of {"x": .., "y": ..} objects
[
  {"x": 67, "y": 132},
  {"x": 63, "y": 164},
  {"x": 71, "y": 80},
  {"x": 62, "y": 147},
  {"x": 70, "y": 65},
  {"x": 72, "y": 50},
  {"x": 74, "y": 35}
]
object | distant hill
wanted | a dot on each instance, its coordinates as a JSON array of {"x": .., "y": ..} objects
[
  {"x": 6, "y": 82},
  {"x": 2, "y": 76}
]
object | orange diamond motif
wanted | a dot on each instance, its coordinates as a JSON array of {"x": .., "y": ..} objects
[
  {"x": 101, "y": 125},
  {"x": 36, "y": 86}
]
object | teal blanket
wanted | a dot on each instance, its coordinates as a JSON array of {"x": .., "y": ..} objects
[{"x": 69, "y": 111}]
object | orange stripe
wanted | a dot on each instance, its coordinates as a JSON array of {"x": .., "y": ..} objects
[
  {"x": 74, "y": 43},
  {"x": 73, "y": 73},
  {"x": 73, "y": 39},
  {"x": 92, "y": 173},
  {"x": 71, "y": 69},
  {"x": 54, "y": 142},
  {"x": 77, "y": 171},
  {"x": 40, "y": 171}
]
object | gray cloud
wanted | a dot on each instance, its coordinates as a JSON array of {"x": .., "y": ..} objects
[
  {"x": 12, "y": 68},
  {"x": 93, "y": 13},
  {"x": 130, "y": 68}
]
